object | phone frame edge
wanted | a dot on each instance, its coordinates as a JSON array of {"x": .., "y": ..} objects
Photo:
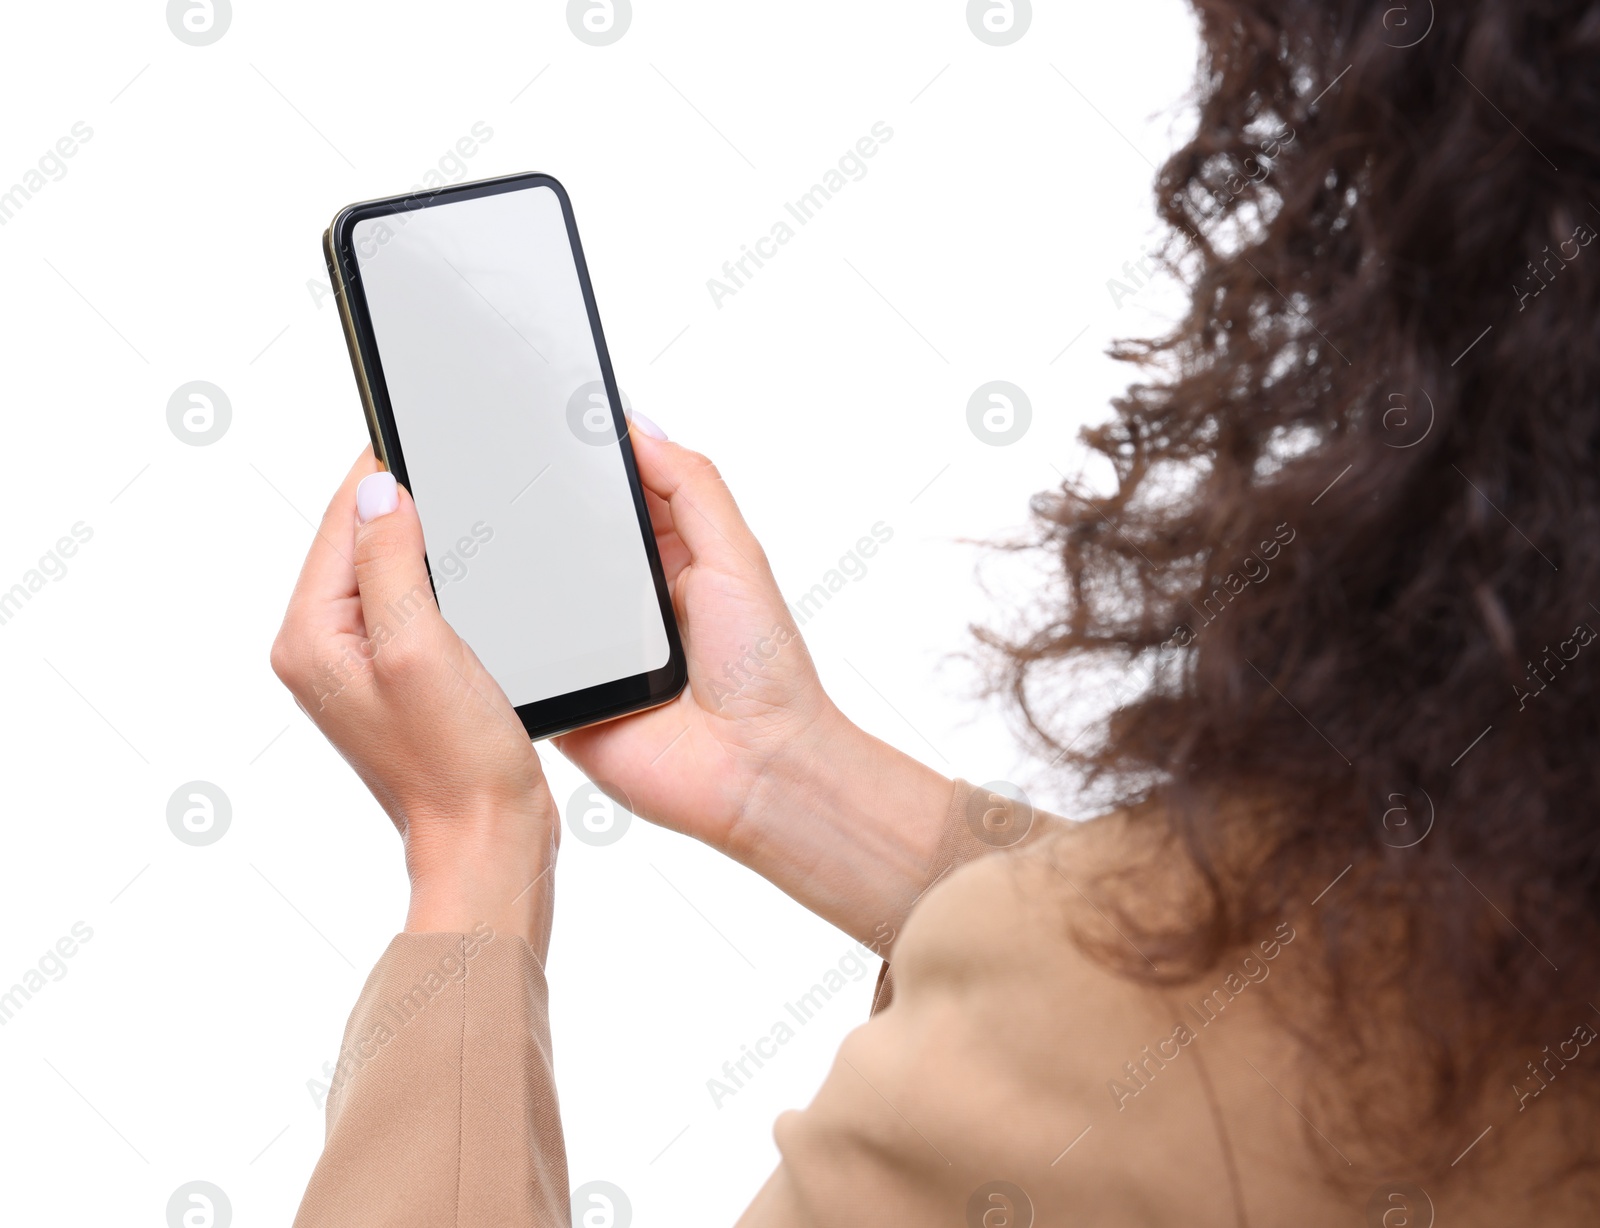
[{"x": 677, "y": 660}]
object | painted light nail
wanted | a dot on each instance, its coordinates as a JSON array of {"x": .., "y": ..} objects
[
  {"x": 635, "y": 418},
  {"x": 376, "y": 496}
]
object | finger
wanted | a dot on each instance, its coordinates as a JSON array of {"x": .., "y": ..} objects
[
  {"x": 703, "y": 511},
  {"x": 660, "y": 514},
  {"x": 613, "y": 750},
  {"x": 329, "y": 574},
  {"x": 390, "y": 563},
  {"x": 674, "y": 554}
]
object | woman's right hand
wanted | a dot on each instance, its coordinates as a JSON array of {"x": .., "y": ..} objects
[{"x": 753, "y": 758}]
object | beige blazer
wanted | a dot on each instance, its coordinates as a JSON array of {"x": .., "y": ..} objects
[{"x": 1003, "y": 1080}]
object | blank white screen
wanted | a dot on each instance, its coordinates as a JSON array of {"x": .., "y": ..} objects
[{"x": 532, "y": 535}]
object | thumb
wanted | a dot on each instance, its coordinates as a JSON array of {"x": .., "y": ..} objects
[
  {"x": 703, "y": 511},
  {"x": 391, "y": 568}
]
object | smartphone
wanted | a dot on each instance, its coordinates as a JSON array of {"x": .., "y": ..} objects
[{"x": 489, "y": 394}]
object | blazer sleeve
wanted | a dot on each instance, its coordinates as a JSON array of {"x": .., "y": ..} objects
[{"x": 442, "y": 1110}]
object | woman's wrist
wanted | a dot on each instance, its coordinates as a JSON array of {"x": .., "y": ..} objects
[
  {"x": 492, "y": 868},
  {"x": 847, "y": 825}
]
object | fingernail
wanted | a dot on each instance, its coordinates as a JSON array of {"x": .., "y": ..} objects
[
  {"x": 635, "y": 418},
  {"x": 376, "y": 496}
]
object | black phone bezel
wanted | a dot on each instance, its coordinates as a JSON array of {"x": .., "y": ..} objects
[{"x": 559, "y": 714}]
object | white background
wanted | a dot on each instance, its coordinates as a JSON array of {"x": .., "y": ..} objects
[{"x": 183, "y": 244}]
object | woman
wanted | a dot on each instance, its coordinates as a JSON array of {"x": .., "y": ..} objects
[{"x": 1330, "y": 952}]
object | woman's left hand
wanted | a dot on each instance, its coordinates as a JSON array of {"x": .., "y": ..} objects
[{"x": 369, "y": 658}]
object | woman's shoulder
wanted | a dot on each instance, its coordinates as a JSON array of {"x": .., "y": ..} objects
[
  {"x": 1010, "y": 910},
  {"x": 1031, "y": 944},
  {"x": 1014, "y": 1039},
  {"x": 1034, "y": 963},
  {"x": 1168, "y": 1099}
]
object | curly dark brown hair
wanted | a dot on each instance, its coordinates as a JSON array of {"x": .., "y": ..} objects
[{"x": 1354, "y": 544}]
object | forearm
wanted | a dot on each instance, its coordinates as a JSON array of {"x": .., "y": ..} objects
[
  {"x": 849, "y": 827},
  {"x": 494, "y": 869}
]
